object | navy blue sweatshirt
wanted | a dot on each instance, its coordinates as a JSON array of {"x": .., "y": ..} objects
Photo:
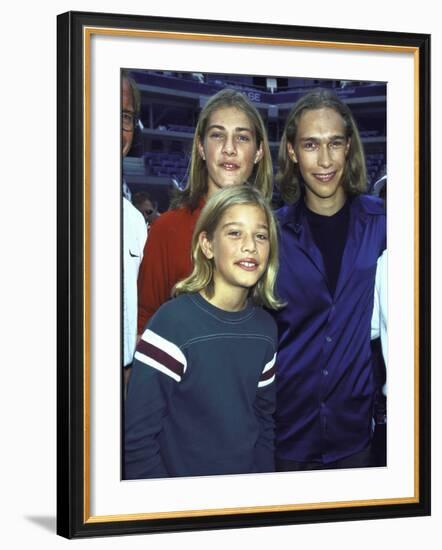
[{"x": 201, "y": 395}]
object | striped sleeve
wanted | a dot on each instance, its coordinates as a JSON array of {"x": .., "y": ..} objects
[
  {"x": 161, "y": 354},
  {"x": 268, "y": 373},
  {"x": 264, "y": 409}
]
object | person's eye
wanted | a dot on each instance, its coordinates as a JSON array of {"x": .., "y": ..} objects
[
  {"x": 243, "y": 138},
  {"x": 234, "y": 233},
  {"x": 262, "y": 236},
  {"x": 216, "y": 135},
  {"x": 337, "y": 143},
  {"x": 310, "y": 146}
]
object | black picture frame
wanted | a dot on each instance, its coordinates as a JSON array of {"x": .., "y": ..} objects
[{"x": 73, "y": 391}]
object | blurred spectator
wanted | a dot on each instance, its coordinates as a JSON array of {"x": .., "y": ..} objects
[
  {"x": 134, "y": 227},
  {"x": 146, "y": 206}
]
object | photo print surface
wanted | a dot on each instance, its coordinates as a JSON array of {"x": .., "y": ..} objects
[{"x": 217, "y": 378}]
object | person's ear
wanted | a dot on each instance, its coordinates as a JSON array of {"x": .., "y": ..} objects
[
  {"x": 347, "y": 146},
  {"x": 291, "y": 152},
  {"x": 259, "y": 154},
  {"x": 205, "y": 245},
  {"x": 201, "y": 149}
]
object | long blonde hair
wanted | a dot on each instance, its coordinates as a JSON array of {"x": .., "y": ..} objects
[
  {"x": 289, "y": 179},
  {"x": 201, "y": 278},
  {"x": 262, "y": 174}
]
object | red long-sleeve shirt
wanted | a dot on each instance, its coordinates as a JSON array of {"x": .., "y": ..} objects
[{"x": 166, "y": 260}]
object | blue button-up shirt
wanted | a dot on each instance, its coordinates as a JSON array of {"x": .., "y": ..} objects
[{"x": 325, "y": 384}]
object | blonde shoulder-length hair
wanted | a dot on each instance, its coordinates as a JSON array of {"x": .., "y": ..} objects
[
  {"x": 201, "y": 278},
  {"x": 289, "y": 179},
  {"x": 262, "y": 172}
]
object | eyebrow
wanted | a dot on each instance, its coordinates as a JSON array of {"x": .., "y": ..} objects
[
  {"x": 261, "y": 225},
  {"x": 314, "y": 138},
  {"x": 237, "y": 129}
]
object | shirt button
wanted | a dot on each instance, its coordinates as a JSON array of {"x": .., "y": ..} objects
[
  {"x": 322, "y": 405},
  {"x": 329, "y": 338},
  {"x": 325, "y": 372}
]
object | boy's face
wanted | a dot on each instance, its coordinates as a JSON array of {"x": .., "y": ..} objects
[
  {"x": 240, "y": 248},
  {"x": 229, "y": 148},
  {"x": 320, "y": 150}
]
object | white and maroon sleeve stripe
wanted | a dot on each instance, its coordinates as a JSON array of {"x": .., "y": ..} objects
[
  {"x": 161, "y": 354},
  {"x": 268, "y": 374}
]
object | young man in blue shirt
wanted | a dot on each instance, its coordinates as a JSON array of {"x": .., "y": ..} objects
[{"x": 331, "y": 236}]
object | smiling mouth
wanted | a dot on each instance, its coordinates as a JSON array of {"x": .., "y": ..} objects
[
  {"x": 229, "y": 166},
  {"x": 325, "y": 178},
  {"x": 247, "y": 265}
]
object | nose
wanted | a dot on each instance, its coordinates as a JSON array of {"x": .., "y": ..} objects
[
  {"x": 324, "y": 158},
  {"x": 229, "y": 147},
  {"x": 249, "y": 244}
]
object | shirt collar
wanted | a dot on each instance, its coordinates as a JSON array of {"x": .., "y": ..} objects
[{"x": 293, "y": 215}]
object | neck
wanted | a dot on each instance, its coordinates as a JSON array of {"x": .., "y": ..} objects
[
  {"x": 211, "y": 190},
  {"x": 325, "y": 206},
  {"x": 233, "y": 301}
]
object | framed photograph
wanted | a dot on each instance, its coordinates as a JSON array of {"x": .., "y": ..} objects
[{"x": 177, "y": 65}]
